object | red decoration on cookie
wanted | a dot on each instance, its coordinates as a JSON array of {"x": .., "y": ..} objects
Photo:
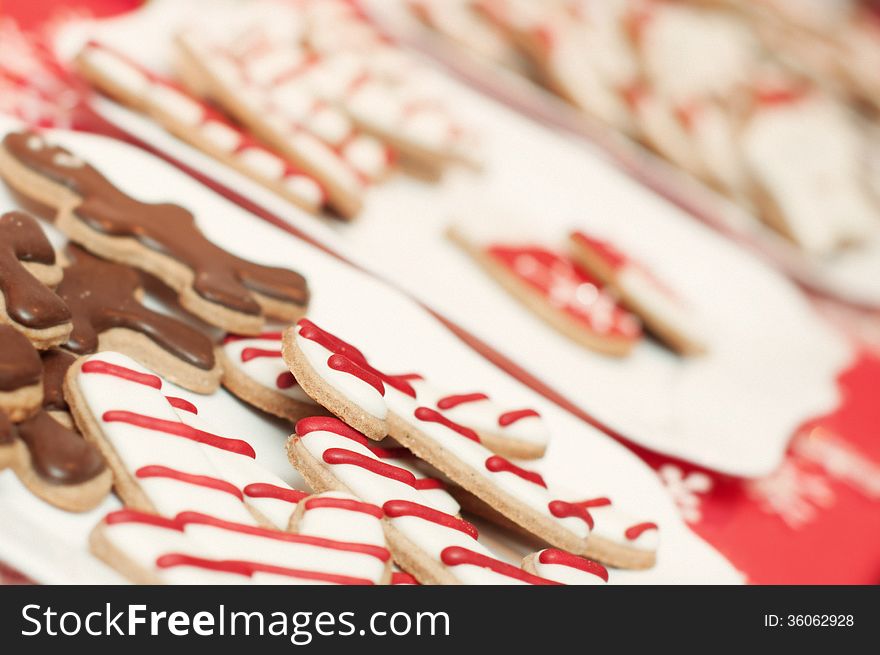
[
  {"x": 563, "y": 558},
  {"x": 456, "y": 556},
  {"x": 433, "y": 416},
  {"x": 398, "y": 508},
  {"x": 498, "y": 464}
]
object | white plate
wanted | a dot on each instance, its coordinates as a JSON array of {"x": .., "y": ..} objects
[
  {"x": 773, "y": 363},
  {"x": 393, "y": 331}
]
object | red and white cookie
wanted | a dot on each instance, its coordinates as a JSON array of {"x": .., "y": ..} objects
[
  {"x": 162, "y": 460},
  {"x": 254, "y": 371},
  {"x": 196, "y": 122},
  {"x": 560, "y": 566},
  {"x": 554, "y": 287},
  {"x": 520, "y": 495},
  {"x": 425, "y": 534},
  {"x": 336, "y": 539},
  {"x": 661, "y": 310}
]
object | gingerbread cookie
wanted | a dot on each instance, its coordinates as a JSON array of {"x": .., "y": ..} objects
[
  {"x": 663, "y": 312},
  {"x": 165, "y": 459},
  {"x": 27, "y": 269},
  {"x": 197, "y": 123},
  {"x": 10, "y": 448},
  {"x": 426, "y": 536},
  {"x": 161, "y": 239},
  {"x": 560, "y": 566},
  {"x": 556, "y": 289},
  {"x": 254, "y": 370},
  {"x": 336, "y": 540},
  {"x": 21, "y": 389},
  {"x": 104, "y": 299},
  {"x": 55, "y": 463}
]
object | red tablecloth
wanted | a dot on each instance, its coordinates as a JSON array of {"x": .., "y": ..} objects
[{"x": 815, "y": 520}]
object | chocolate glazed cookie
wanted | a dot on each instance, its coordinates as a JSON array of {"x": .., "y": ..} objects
[
  {"x": 161, "y": 239},
  {"x": 104, "y": 299},
  {"x": 27, "y": 270}
]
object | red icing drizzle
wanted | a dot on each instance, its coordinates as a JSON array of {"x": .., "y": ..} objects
[
  {"x": 497, "y": 464},
  {"x": 182, "y": 404},
  {"x": 285, "y": 380},
  {"x": 424, "y": 484},
  {"x": 179, "y": 429},
  {"x": 449, "y": 402},
  {"x": 509, "y": 418},
  {"x": 196, "y": 518},
  {"x": 348, "y": 504},
  {"x": 561, "y": 283},
  {"x": 456, "y": 555},
  {"x": 562, "y": 509},
  {"x": 266, "y": 490},
  {"x": 106, "y": 368},
  {"x": 401, "y": 578},
  {"x": 342, "y": 456},
  {"x": 247, "y": 569},
  {"x": 433, "y": 416},
  {"x": 247, "y": 354},
  {"x": 188, "y": 478},
  {"x": 309, "y": 330},
  {"x": 334, "y": 425},
  {"x": 556, "y": 556},
  {"x": 342, "y": 363},
  {"x": 134, "y": 516},
  {"x": 594, "y": 502},
  {"x": 634, "y": 532},
  {"x": 611, "y": 255},
  {"x": 398, "y": 508}
]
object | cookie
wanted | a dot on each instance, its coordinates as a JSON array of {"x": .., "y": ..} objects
[
  {"x": 197, "y": 123},
  {"x": 555, "y": 564},
  {"x": 208, "y": 73},
  {"x": 804, "y": 157},
  {"x": 21, "y": 375},
  {"x": 336, "y": 376},
  {"x": 163, "y": 462},
  {"x": 519, "y": 433},
  {"x": 616, "y": 537},
  {"x": 337, "y": 540},
  {"x": 160, "y": 239},
  {"x": 255, "y": 372},
  {"x": 27, "y": 270},
  {"x": 555, "y": 288},
  {"x": 10, "y": 447},
  {"x": 55, "y": 463},
  {"x": 427, "y": 539},
  {"x": 105, "y": 301},
  {"x": 660, "y": 309}
]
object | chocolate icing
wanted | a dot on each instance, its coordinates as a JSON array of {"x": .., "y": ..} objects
[
  {"x": 7, "y": 432},
  {"x": 101, "y": 296},
  {"x": 59, "y": 455},
  {"x": 162, "y": 227},
  {"x": 19, "y": 361},
  {"x": 28, "y": 301},
  {"x": 55, "y": 365}
]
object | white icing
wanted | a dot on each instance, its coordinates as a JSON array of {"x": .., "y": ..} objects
[
  {"x": 474, "y": 455},
  {"x": 341, "y": 524},
  {"x": 639, "y": 288},
  {"x": 176, "y": 104},
  {"x": 483, "y": 415},
  {"x": 367, "y": 155},
  {"x": 361, "y": 393},
  {"x": 120, "y": 73},
  {"x": 262, "y": 162},
  {"x": 326, "y": 161},
  {"x": 220, "y": 135},
  {"x": 370, "y": 487},
  {"x": 565, "y": 574},
  {"x": 306, "y": 188},
  {"x": 263, "y": 370},
  {"x": 137, "y": 447},
  {"x": 329, "y": 125}
]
